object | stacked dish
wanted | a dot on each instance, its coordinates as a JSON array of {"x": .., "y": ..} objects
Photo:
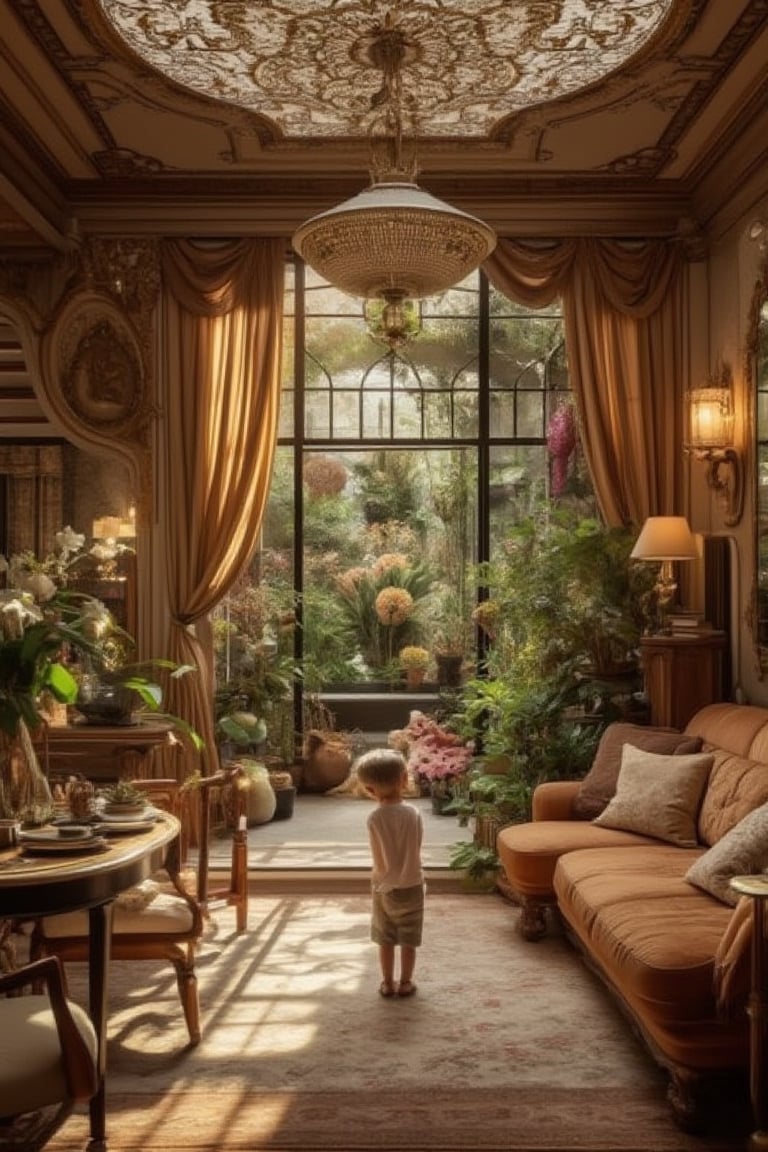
[{"x": 61, "y": 840}]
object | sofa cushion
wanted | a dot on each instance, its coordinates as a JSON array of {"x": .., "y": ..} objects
[
  {"x": 742, "y": 851},
  {"x": 658, "y": 796},
  {"x": 599, "y": 784},
  {"x": 529, "y": 852},
  {"x": 655, "y": 936},
  {"x": 737, "y": 785}
]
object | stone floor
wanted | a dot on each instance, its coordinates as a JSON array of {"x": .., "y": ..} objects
[{"x": 328, "y": 833}]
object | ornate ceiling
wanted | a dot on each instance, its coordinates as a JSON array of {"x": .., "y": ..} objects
[
  {"x": 544, "y": 117},
  {"x": 311, "y": 68}
]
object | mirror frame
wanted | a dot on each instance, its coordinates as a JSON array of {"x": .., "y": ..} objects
[{"x": 759, "y": 300}]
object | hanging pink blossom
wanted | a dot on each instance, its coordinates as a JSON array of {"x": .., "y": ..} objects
[{"x": 561, "y": 441}]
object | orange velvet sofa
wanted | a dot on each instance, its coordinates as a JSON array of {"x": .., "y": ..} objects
[{"x": 658, "y": 940}]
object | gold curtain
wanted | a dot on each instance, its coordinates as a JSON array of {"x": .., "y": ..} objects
[
  {"x": 222, "y": 343},
  {"x": 625, "y": 309}
]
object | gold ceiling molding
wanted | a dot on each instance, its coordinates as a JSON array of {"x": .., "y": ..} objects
[{"x": 308, "y": 67}]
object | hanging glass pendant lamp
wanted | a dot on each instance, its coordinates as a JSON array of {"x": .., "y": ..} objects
[{"x": 393, "y": 240}]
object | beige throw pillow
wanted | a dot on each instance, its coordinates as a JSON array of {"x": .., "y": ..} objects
[
  {"x": 658, "y": 796},
  {"x": 599, "y": 784},
  {"x": 741, "y": 852}
]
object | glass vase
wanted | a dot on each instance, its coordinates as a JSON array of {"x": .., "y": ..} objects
[{"x": 24, "y": 791}]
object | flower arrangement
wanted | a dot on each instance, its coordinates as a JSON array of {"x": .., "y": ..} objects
[
  {"x": 44, "y": 624},
  {"x": 412, "y": 656},
  {"x": 32, "y": 643},
  {"x": 45, "y": 577},
  {"x": 34, "y": 639},
  {"x": 434, "y": 754}
]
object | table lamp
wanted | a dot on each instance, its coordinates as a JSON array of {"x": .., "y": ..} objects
[{"x": 666, "y": 539}]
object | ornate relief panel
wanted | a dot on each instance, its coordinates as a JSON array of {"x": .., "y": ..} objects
[{"x": 95, "y": 375}]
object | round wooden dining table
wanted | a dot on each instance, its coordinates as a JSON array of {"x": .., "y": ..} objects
[{"x": 44, "y": 885}]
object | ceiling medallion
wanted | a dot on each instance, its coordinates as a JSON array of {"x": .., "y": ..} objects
[
  {"x": 393, "y": 240},
  {"x": 305, "y": 65}
]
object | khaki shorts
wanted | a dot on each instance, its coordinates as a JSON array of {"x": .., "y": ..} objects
[{"x": 398, "y": 916}]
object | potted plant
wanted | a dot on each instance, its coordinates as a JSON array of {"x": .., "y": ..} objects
[
  {"x": 240, "y": 730},
  {"x": 489, "y": 803},
  {"x": 436, "y": 756},
  {"x": 261, "y": 801},
  {"x": 49, "y": 631},
  {"x": 415, "y": 661},
  {"x": 33, "y": 641}
]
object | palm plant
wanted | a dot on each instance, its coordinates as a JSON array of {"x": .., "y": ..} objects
[{"x": 360, "y": 589}]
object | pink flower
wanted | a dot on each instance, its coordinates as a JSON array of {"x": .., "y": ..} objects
[
  {"x": 561, "y": 441},
  {"x": 434, "y": 753}
]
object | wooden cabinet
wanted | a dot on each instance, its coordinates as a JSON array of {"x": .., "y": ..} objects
[{"x": 682, "y": 674}]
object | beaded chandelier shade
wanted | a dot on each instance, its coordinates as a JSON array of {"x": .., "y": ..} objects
[{"x": 393, "y": 240}]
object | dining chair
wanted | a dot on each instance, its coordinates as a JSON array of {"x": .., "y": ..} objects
[
  {"x": 48, "y": 1055},
  {"x": 165, "y": 918}
]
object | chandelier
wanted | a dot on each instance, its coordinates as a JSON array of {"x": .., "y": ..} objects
[{"x": 393, "y": 240}]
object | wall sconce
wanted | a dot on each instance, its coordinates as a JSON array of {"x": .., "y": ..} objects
[
  {"x": 665, "y": 539},
  {"x": 710, "y": 438}
]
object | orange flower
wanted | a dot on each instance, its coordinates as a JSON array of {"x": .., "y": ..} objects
[
  {"x": 348, "y": 581},
  {"x": 389, "y": 560},
  {"x": 393, "y": 606}
]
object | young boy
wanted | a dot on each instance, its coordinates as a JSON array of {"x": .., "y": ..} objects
[{"x": 395, "y": 832}]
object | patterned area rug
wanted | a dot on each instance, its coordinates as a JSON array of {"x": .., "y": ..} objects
[{"x": 506, "y": 1046}]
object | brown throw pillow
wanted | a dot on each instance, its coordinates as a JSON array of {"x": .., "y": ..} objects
[
  {"x": 599, "y": 784},
  {"x": 741, "y": 852},
  {"x": 658, "y": 796}
]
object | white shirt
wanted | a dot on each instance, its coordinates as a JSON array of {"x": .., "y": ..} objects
[{"x": 395, "y": 832}]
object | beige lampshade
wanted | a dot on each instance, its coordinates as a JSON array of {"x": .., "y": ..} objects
[{"x": 665, "y": 538}]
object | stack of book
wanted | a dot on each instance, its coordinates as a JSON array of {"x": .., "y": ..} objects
[{"x": 683, "y": 622}]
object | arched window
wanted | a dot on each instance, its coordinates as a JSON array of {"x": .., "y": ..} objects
[{"x": 400, "y": 465}]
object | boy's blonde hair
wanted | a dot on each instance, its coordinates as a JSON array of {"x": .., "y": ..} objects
[{"x": 382, "y": 770}]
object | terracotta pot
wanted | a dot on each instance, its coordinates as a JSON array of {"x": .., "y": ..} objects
[{"x": 327, "y": 761}]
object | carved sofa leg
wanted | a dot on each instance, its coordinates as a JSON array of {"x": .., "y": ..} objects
[
  {"x": 532, "y": 923},
  {"x": 683, "y": 1094},
  {"x": 705, "y": 1105}
]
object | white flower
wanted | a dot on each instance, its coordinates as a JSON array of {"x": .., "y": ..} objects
[
  {"x": 104, "y": 550},
  {"x": 68, "y": 541},
  {"x": 15, "y": 614},
  {"x": 96, "y": 620},
  {"x": 40, "y": 585}
]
